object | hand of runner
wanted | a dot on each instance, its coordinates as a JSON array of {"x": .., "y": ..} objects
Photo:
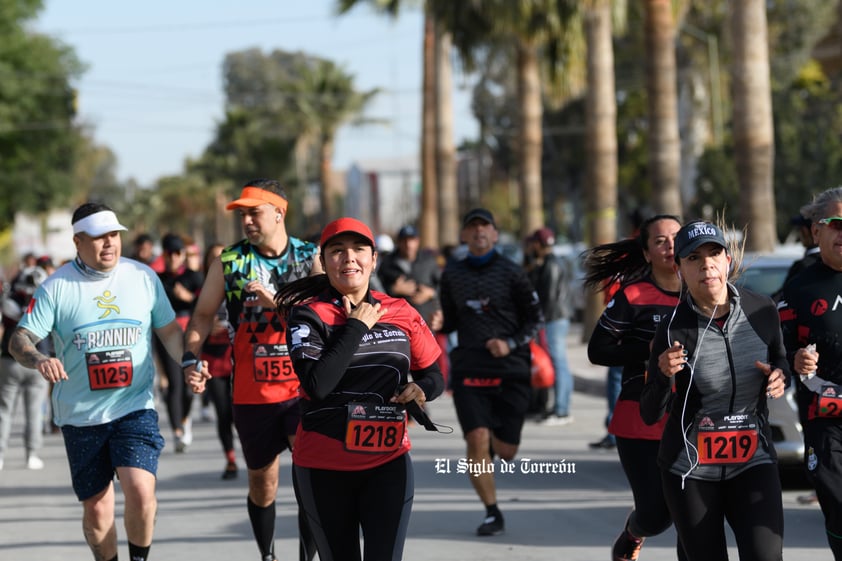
[
  {"x": 777, "y": 382},
  {"x": 806, "y": 361},
  {"x": 672, "y": 360},
  {"x": 410, "y": 392},
  {"x": 364, "y": 311},
  {"x": 51, "y": 369},
  {"x": 196, "y": 375}
]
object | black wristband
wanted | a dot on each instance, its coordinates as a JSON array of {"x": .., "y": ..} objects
[{"x": 188, "y": 359}]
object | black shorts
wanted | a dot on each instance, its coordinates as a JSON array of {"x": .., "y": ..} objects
[
  {"x": 502, "y": 409},
  {"x": 264, "y": 429}
]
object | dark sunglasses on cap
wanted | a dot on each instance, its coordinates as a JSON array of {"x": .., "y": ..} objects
[{"x": 832, "y": 222}]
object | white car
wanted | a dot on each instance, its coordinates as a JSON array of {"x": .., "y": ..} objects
[{"x": 765, "y": 274}]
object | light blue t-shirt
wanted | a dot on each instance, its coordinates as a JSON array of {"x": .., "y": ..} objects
[{"x": 101, "y": 324}]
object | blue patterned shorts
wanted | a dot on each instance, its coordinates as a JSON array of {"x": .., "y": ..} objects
[{"x": 95, "y": 452}]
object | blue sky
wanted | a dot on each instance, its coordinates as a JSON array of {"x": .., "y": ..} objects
[{"x": 153, "y": 87}]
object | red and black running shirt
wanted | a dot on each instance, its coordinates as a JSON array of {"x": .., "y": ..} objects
[
  {"x": 621, "y": 338},
  {"x": 340, "y": 361}
]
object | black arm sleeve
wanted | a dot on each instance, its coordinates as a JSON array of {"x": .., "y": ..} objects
[
  {"x": 320, "y": 375},
  {"x": 430, "y": 380},
  {"x": 657, "y": 392}
]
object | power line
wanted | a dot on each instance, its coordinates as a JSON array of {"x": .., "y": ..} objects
[{"x": 201, "y": 26}]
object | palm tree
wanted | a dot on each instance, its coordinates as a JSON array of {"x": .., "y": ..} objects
[
  {"x": 664, "y": 145},
  {"x": 324, "y": 96},
  {"x": 601, "y": 135},
  {"x": 536, "y": 30},
  {"x": 753, "y": 126},
  {"x": 438, "y": 220}
]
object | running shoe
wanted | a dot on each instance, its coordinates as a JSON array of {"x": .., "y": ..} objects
[
  {"x": 34, "y": 462},
  {"x": 556, "y": 420},
  {"x": 230, "y": 471},
  {"x": 607, "y": 443},
  {"x": 627, "y": 547},
  {"x": 491, "y": 526}
]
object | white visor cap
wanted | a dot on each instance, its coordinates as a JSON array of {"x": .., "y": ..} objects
[{"x": 98, "y": 224}]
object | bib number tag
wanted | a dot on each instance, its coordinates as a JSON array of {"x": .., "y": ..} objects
[
  {"x": 108, "y": 370},
  {"x": 374, "y": 428},
  {"x": 829, "y": 402},
  {"x": 272, "y": 363},
  {"x": 726, "y": 439}
]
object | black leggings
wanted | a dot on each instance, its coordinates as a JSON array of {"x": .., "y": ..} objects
[
  {"x": 640, "y": 462},
  {"x": 751, "y": 504},
  {"x": 338, "y": 503},
  {"x": 650, "y": 516},
  {"x": 219, "y": 390},
  {"x": 177, "y": 399}
]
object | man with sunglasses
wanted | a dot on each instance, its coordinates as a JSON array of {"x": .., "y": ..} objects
[{"x": 811, "y": 320}]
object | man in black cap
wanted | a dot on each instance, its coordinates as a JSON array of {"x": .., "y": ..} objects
[
  {"x": 488, "y": 300},
  {"x": 412, "y": 274}
]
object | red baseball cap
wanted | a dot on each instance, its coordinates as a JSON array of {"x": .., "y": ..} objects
[{"x": 346, "y": 226}]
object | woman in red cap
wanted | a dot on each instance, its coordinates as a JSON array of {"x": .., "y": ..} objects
[{"x": 354, "y": 351}]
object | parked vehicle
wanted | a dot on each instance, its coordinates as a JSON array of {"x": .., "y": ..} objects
[{"x": 765, "y": 274}]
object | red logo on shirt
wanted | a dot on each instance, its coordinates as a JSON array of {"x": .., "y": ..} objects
[
  {"x": 819, "y": 307},
  {"x": 30, "y": 306}
]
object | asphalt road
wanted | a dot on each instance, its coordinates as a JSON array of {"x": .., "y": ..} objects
[{"x": 574, "y": 515}]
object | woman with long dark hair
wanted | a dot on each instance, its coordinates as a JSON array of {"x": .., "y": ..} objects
[{"x": 649, "y": 289}]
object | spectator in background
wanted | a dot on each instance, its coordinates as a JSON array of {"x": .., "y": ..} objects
[
  {"x": 182, "y": 286},
  {"x": 551, "y": 278},
  {"x": 17, "y": 380},
  {"x": 217, "y": 352},
  {"x": 45, "y": 346},
  {"x": 413, "y": 275},
  {"x": 143, "y": 249},
  {"x": 193, "y": 261},
  {"x": 385, "y": 246}
]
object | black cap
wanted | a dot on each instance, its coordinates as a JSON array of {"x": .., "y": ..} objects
[
  {"x": 408, "y": 231},
  {"x": 695, "y": 234},
  {"x": 172, "y": 243},
  {"x": 481, "y": 213},
  {"x": 801, "y": 220}
]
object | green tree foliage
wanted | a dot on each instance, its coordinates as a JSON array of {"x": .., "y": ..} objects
[
  {"x": 282, "y": 113},
  {"x": 38, "y": 143},
  {"x": 808, "y": 151}
]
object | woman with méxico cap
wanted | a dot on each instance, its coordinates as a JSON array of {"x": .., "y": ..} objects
[
  {"x": 354, "y": 351},
  {"x": 714, "y": 362}
]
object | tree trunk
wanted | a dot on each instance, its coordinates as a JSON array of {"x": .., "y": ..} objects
[
  {"x": 428, "y": 222},
  {"x": 753, "y": 127},
  {"x": 664, "y": 145},
  {"x": 329, "y": 197},
  {"x": 448, "y": 203},
  {"x": 530, "y": 145},
  {"x": 601, "y": 143}
]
